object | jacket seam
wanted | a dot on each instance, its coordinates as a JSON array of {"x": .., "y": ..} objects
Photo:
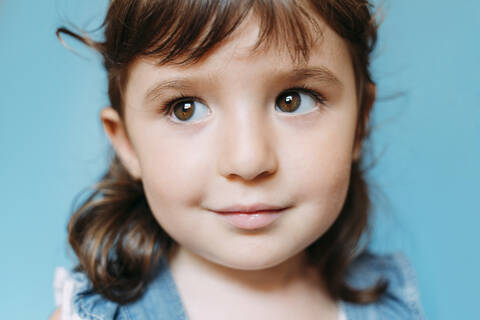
[
  {"x": 412, "y": 296},
  {"x": 87, "y": 313},
  {"x": 126, "y": 313}
]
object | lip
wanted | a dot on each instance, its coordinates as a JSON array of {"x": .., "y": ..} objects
[
  {"x": 249, "y": 209},
  {"x": 251, "y": 217}
]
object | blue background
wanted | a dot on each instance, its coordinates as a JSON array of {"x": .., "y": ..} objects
[{"x": 426, "y": 135}]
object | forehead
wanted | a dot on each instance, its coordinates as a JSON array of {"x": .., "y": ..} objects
[
  {"x": 184, "y": 31},
  {"x": 245, "y": 45},
  {"x": 247, "y": 42},
  {"x": 328, "y": 54}
]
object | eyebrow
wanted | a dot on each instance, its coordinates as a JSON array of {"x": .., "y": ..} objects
[
  {"x": 174, "y": 84},
  {"x": 321, "y": 74}
]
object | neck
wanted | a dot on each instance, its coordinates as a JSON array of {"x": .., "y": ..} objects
[
  {"x": 288, "y": 275},
  {"x": 209, "y": 290}
]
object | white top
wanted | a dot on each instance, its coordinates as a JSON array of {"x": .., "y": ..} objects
[
  {"x": 341, "y": 314},
  {"x": 64, "y": 284}
]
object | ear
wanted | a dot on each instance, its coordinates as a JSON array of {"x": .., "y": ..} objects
[
  {"x": 115, "y": 129},
  {"x": 367, "y": 101}
]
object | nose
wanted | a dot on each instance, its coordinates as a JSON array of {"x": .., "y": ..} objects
[{"x": 247, "y": 149}]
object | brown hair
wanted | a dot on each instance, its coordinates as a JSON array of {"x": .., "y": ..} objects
[{"x": 113, "y": 232}]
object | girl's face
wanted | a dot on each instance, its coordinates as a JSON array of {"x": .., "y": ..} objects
[{"x": 256, "y": 129}]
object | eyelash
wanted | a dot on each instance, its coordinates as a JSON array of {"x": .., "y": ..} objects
[
  {"x": 315, "y": 94},
  {"x": 167, "y": 108}
]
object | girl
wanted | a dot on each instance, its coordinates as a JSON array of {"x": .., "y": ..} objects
[{"x": 236, "y": 189}]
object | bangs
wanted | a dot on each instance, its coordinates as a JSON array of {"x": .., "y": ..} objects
[{"x": 183, "y": 31}]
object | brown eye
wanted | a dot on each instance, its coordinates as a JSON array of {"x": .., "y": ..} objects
[
  {"x": 188, "y": 111},
  {"x": 289, "y": 101},
  {"x": 298, "y": 101},
  {"x": 184, "y": 110}
]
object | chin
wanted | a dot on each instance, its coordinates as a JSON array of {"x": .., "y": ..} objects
[{"x": 248, "y": 260}]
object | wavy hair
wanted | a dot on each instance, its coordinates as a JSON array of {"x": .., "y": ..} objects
[{"x": 113, "y": 232}]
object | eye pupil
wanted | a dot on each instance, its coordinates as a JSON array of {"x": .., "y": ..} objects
[
  {"x": 184, "y": 110},
  {"x": 289, "y": 102}
]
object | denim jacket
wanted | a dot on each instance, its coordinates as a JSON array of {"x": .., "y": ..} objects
[{"x": 161, "y": 300}]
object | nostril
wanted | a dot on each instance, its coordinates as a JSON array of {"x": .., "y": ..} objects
[
  {"x": 246, "y": 152},
  {"x": 253, "y": 175},
  {"x": 264, "y": 174}
]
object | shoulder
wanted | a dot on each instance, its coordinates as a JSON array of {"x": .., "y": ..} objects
[
  {"x": 57, "y": 315},
  {"x": 401, "y": 300},
  {"x": 76, "y": 300}
]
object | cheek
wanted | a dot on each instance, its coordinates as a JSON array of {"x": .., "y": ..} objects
[
  {"x": 321, "y": 160},
  {"x": 319, "y": 169},
  {"x": 324, "y": 183},
  {"x": 173, "y": 173}
]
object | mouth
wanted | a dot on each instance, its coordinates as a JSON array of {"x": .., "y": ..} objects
[{"x": 251, "y": 217}]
